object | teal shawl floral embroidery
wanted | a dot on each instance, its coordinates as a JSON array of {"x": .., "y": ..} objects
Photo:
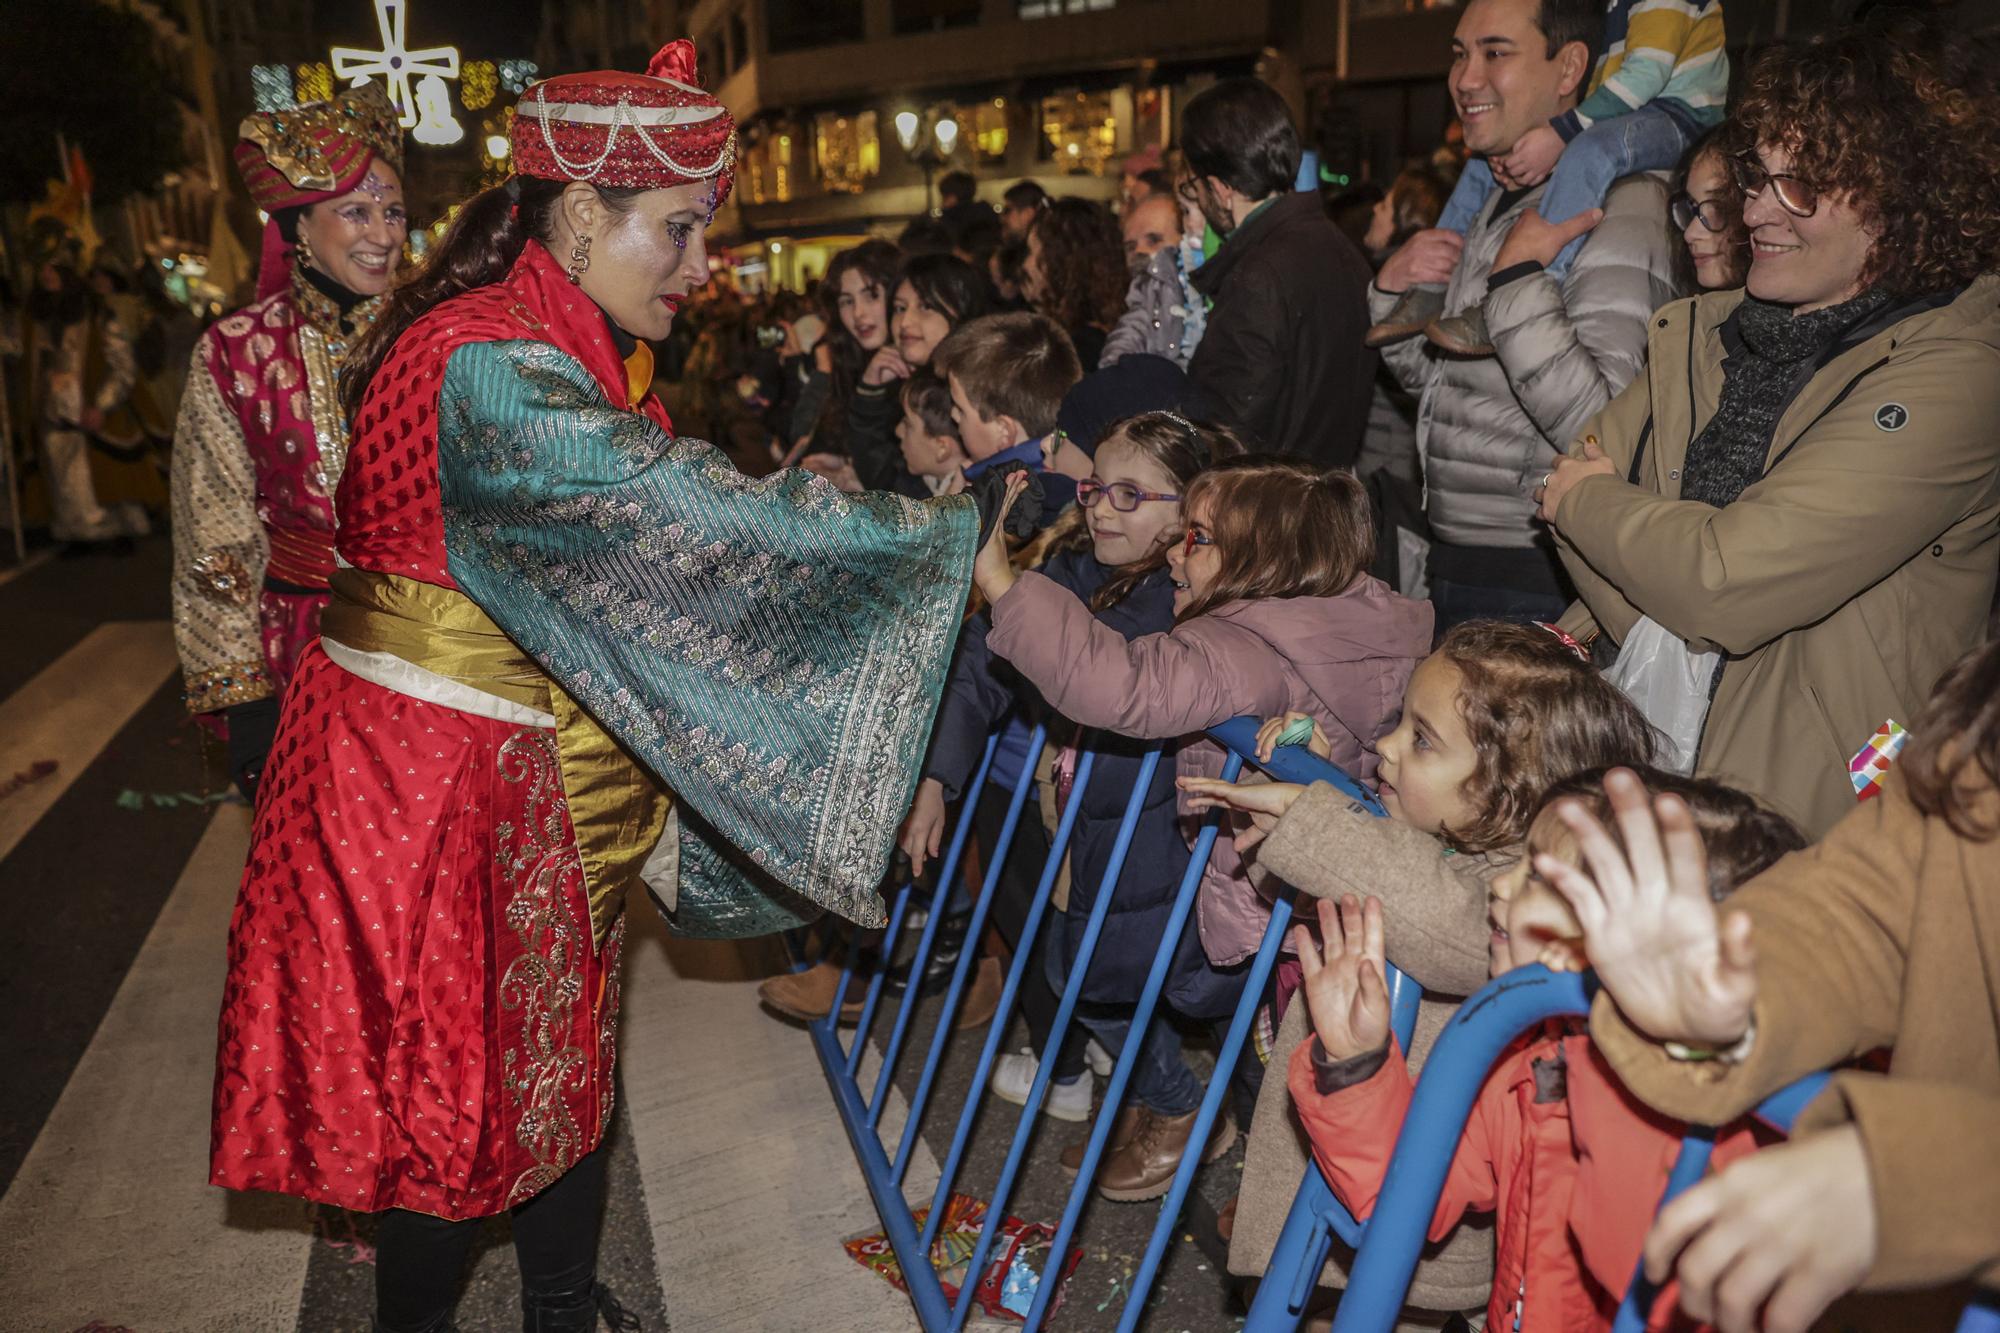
[{"x": 772, "y": 649}]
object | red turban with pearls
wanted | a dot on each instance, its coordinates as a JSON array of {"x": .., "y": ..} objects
[{"x": 639, "y": 131}]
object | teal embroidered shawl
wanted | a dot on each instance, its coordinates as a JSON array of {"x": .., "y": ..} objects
[{"x": 772, "y": 649}]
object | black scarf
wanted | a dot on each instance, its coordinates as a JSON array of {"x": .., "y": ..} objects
[{"x": 1729, "y": 454}]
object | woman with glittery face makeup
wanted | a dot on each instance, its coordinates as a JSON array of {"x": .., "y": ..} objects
[
  {"x": 648, "y": 252},
  {"x": 357, "y": 239},
  {"x": 569, "y": 655}
]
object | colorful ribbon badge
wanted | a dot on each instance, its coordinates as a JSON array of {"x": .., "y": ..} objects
[{"x": 1870, "y": 766}]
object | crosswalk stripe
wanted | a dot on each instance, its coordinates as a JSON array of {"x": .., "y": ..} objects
[
  {"x": 749, "y": 1177},
  {"x": 111, "y": 1217},
  {"x": 72, "y": 709}
]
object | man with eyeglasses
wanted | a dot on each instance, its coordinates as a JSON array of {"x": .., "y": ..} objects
[{"x": 1282, "y": 347}]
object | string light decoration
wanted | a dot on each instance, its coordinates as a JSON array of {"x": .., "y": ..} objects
[
  {"x": 396, "y": 65},
  {"x": 478, "y": 82},
  {"x": 313, "y": 82},
  {"x": 271, "y": 87},
  {"x": 516, "y": 75}
]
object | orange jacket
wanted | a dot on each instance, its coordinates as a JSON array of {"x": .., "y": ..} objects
[{"x": 1573, "y": 1174}]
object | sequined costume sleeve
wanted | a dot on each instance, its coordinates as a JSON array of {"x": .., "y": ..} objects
[
  {"x": 219, "y": 552},
  {"x": 772, "y": 649},
  {"x": 121, "y": 371}
]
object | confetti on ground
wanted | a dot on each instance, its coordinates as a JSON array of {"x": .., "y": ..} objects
[
  {"x": 140, "y": 800},
  {"x": 34, "y": 772}
]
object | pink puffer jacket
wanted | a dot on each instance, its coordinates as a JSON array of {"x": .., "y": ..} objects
[{"x": 1344, "y": 660}]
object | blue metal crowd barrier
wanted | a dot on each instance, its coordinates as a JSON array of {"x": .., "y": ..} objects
[{"x": 1387, "y": 1244}]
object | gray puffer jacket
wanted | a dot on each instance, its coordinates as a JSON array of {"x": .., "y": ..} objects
[{"x": 1488, "y": 429}]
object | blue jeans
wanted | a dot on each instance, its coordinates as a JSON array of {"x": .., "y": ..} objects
[
  {"x": 1161, "y": 1080},
  {"x": 1647, "y": 139}
]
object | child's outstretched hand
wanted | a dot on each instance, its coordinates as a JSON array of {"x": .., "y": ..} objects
[
  {"x": 1347, "y": 992},
  {"x": 1264, "y": 802},
  {"x": 1677, "y": 969},
  {"x": 1268, "y": 734},
  {"x": 922, "y": 833},
  {"x": 992, "y": 571}
]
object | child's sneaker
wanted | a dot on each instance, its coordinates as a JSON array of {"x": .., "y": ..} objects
[
  {"x": 1014, "y": 1077},
  {"x": 1412, "y": 314},
  {"x": 1463, "y": 334}
]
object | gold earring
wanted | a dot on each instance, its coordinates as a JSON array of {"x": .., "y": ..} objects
[
  {"x": 305, "y": 251},
  {"x": 579, "y": 258}
]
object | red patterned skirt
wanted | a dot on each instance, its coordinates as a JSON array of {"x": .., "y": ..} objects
[{"x": 415, "y": 1014}]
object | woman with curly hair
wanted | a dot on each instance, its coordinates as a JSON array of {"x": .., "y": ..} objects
[
  {"x": 1806, "y": 484},
  {"x": 1075, "y": 273}
]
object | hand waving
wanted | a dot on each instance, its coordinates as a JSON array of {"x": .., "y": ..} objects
[
  {"x": 1677, "y": 971},
  {"x": 1346, "y": 992}
]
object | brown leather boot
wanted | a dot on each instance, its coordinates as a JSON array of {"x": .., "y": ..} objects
[
  {"x": 982, "y": 995},
  {"x": 808, "y": 995},
  {"x": 1144, "y": 1168},
  {"x": 1122, "y": 1131}
]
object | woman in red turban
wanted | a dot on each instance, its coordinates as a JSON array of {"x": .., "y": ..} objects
[
  {"x": 261, "y": 438},
  {"x": 567, "y": 654}
]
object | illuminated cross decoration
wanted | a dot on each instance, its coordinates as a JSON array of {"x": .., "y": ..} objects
[{"x": 395, "y": 64}]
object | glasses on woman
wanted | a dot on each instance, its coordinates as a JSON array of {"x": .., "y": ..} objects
[
  {"x": 1195, "y": 537},
  {"x": 1686, "y": 209},
  {"x": 1124, "y": 496},
  {"x": 1798, "y": 197}
]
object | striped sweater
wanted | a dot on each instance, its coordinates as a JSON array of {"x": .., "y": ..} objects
[{"x": 1663, "y": 52}]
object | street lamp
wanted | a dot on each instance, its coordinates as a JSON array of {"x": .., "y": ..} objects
[{"x": 928, "y": 140}]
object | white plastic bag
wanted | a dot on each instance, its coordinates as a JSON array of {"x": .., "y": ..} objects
[{"x": 1669, "y": 682}]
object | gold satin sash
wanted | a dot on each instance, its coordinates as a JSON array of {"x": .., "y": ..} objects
[{"x": 616, "y": 807}]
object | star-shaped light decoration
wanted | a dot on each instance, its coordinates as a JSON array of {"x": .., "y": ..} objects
[{"x": 395, "y": 64}]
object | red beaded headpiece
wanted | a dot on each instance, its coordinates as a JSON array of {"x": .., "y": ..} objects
[{"x": 643, "y": 131}]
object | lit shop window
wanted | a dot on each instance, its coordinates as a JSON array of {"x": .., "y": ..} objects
[
  {"x": 1048, "y": 9},
  {"x": 1079, "y": 132},
  {"x": 766, "y": 174},
  {"x": 983, "y": 125},
  {"x": 848, "y": 151}
]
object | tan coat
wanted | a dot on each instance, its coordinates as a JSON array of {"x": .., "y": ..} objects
[
  {"x": 1885, "y": 934},
  {"x": 1434, "y": 921},
  {"x": 1843, "y": 582}
]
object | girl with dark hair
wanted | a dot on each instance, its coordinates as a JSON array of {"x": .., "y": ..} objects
[
  {"x": 549, "y": 612},
  {"x": 854, "y": 301},
  {"x": 933, "y": 295},
  {"x": 1075, "y": 273},
  {"x": 1707, "y": 210}
]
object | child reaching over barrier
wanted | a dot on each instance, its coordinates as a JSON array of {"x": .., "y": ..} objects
[
  {"x": 1882, "y": 935},
  {"x": 1273, "y": 612},
  {"x": 1492, "y": 719},
  {"x": 1110, "y": 556},
  {"x": 1569, "y": 1163}
]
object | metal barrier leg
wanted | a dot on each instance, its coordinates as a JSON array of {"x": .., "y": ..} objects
[
  {"x": 1023, "y": 957},
  {"x": 996, "y": 859},
  {"x": 886, "y": 956},
  {"x": 1059, "y": 1029},
  {"x": 947, "y": 878},
  {"x": 1211, "y": 1106}
]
